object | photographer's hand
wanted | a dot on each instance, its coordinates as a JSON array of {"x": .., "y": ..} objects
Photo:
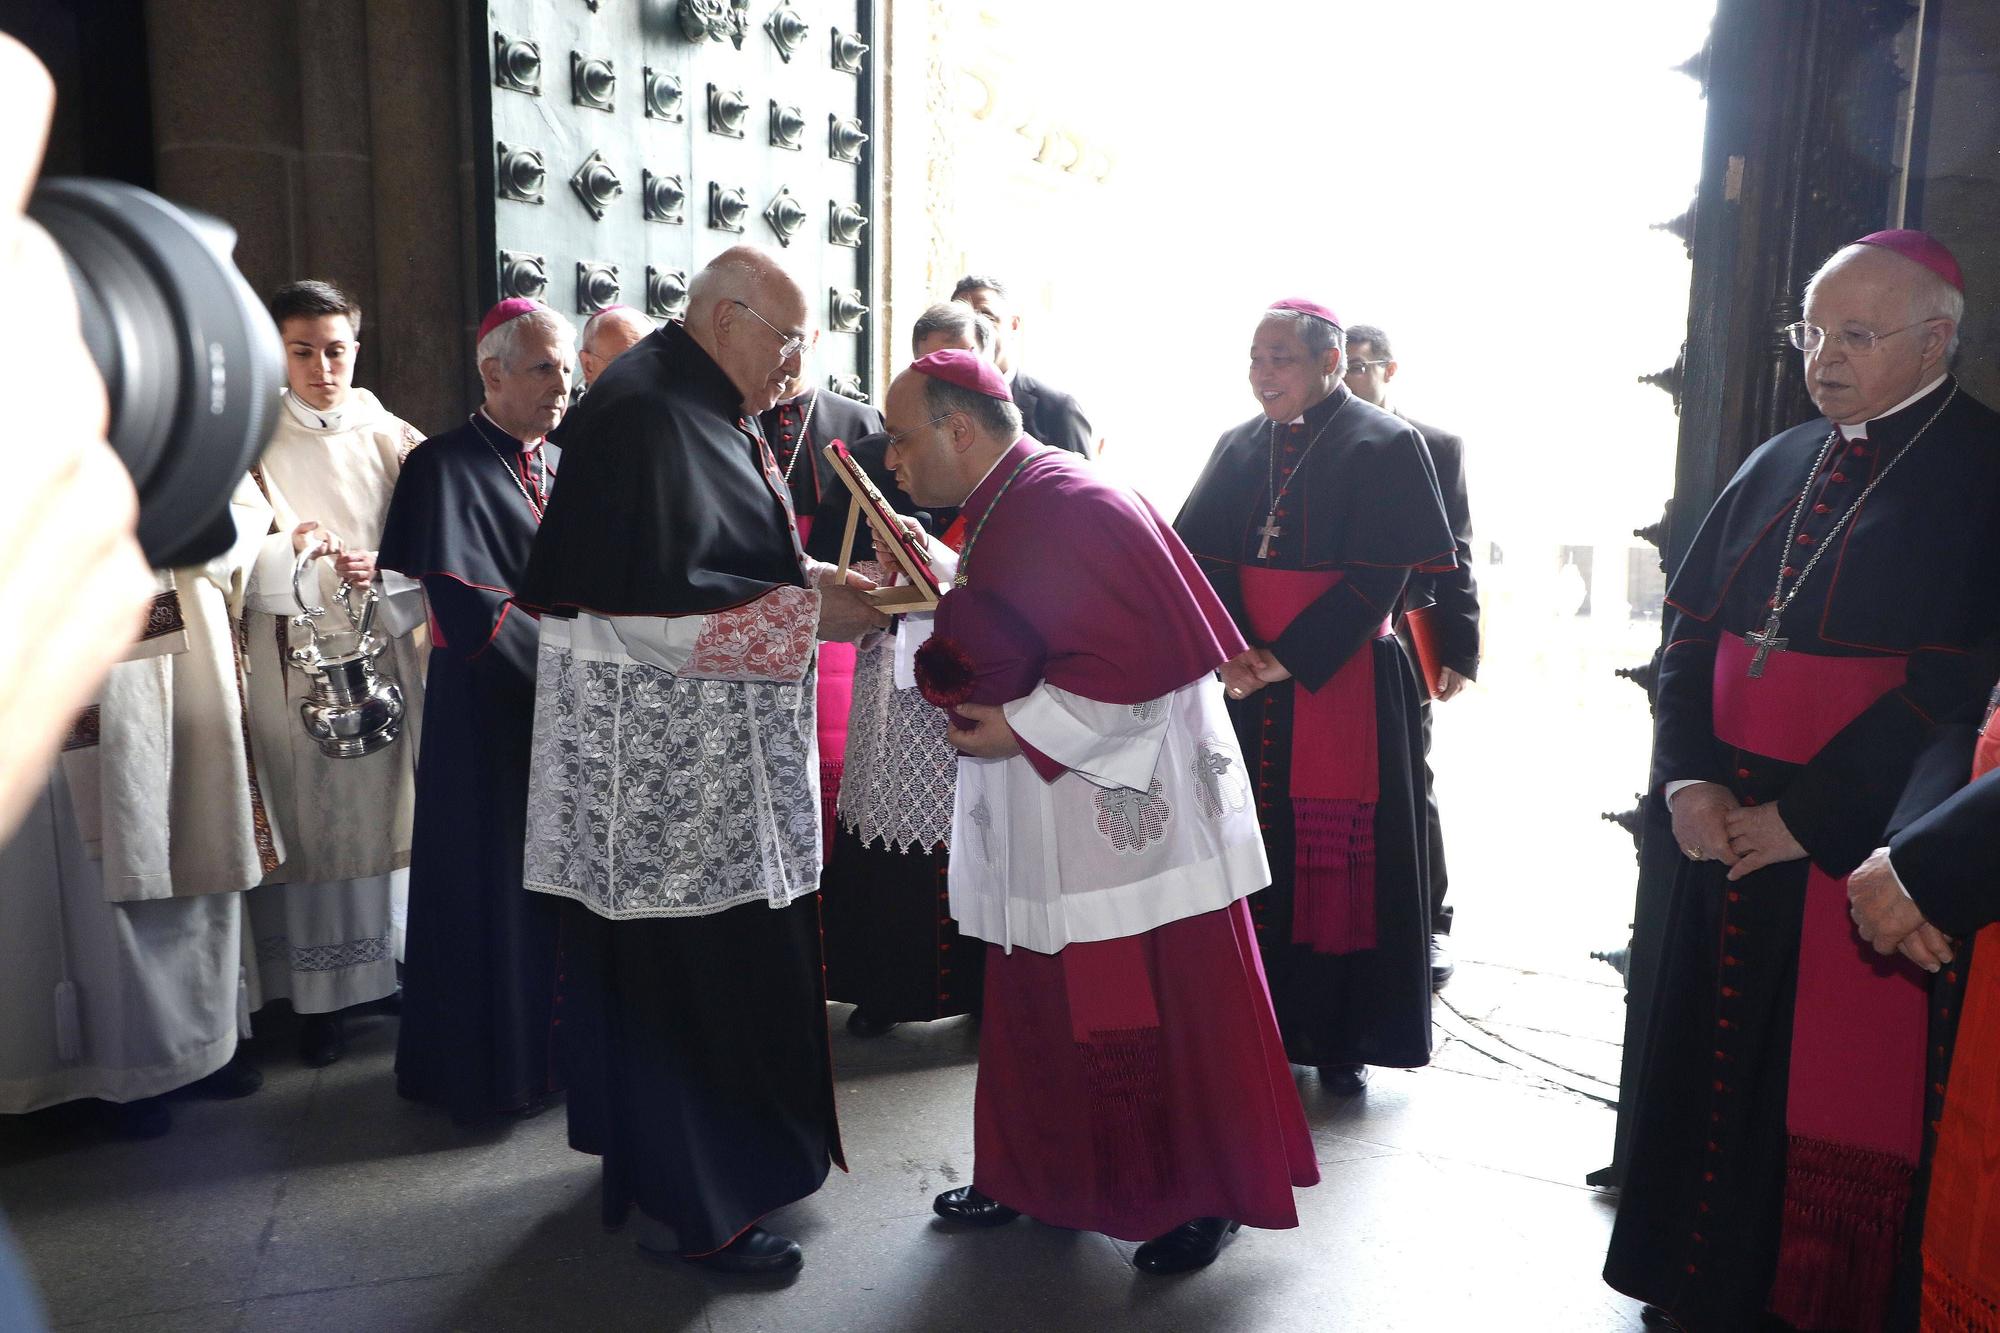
[{"x": 73, "y": 586}]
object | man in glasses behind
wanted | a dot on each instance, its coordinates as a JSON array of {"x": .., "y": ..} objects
[
  {"x": 1826, "y": 621},
  {"x": 1440, "y": 620},
  {"x": 673, "y": 795}
]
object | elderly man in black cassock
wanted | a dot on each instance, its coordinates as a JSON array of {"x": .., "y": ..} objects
[
  {"x": 1310, "y": 520},
  {"x": 1833, "y": 611},
  {"x": 480, "y": 963},
  {"x": 674, "y": 793}
]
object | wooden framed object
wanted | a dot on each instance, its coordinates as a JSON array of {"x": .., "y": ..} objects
[{"x": 920, "y": 591}]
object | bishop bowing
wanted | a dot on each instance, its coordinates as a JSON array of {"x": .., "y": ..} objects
[
  {"x": 1131, "y": 1078},
  {"x": 1824, "y": 623},
  {"x": 1310, "y": 520}
]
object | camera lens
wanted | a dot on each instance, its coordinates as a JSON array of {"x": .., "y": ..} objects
[{"x": 191, "y": 363}]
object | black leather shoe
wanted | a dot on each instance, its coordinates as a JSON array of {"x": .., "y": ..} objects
[
  {"x": 1652, "y": 1316},
  {"x": 321, "y": 1041},
  {"x": 1189, "y": 1246},
  {"x": 966, "y": 1204},
  {"x": 1442, "y": 965},
  {"x": 755, "y": 1251},
  {"x": 1343, "y": 1080},
  {"x": 861, "y": 1025},
  {"x": 239, "y": 1078}
]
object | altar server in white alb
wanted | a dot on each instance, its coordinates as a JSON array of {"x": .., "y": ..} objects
[
  {"x": 327, "y": 921},
  {"x": 121, "y": 897}
]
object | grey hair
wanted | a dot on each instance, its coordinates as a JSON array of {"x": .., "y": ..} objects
[
  {"x": 1374, "y": 337},
  {"x": 1318, "y": 335},
  {"x": 997, "y": 416},
  {"x": 1931, "y": 297},
  {"x": 504, "y": 343},
  {"x": 955, "y": 319}
]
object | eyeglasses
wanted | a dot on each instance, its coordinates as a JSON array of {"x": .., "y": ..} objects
[
  {"x": 1858, "y": 342},
  {"x": 1360, "y": 367},
  {"x": 902, "y": 435},
  {"x": 790, "y": 343}
]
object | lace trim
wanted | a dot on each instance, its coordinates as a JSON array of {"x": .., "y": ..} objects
[
  {"x": 322, "y": 957},
  {"x": 901, "y": 774}
]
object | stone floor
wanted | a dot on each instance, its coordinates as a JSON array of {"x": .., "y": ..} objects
[{"x": 1452, "y": 1198}]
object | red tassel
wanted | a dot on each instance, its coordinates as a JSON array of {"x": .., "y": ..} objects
[
  {"x": 1333, "y": 875},
  {"x": 945, "y": 674},
  {"x": 1843, "y": 1224}
]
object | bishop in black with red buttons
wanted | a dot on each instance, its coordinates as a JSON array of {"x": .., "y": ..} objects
[
  {"x": 1309, "y": 521},
  {"x": 1836, "y": 607}
]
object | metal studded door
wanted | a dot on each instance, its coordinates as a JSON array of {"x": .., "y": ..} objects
[{"x": 627, "y": 142}]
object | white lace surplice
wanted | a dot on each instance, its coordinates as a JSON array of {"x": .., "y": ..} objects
[
  {"x": 896, "y": 789},
  {"x": 1152, "y": 823},
  {"x": 675, "y": 769}
]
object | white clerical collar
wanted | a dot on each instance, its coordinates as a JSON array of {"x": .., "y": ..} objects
[
  {"x": 314, "y": 418},
  {"x": 524, "y": 446},
  {"x": 1860, "y": 431}
]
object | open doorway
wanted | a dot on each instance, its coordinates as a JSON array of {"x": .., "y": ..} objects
[{"x": 1490, "y": 185}]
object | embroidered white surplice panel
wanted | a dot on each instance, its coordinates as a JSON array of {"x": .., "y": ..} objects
[
  {"x": 653, "y": 793},
  {"x": 1152, "y": 823}
]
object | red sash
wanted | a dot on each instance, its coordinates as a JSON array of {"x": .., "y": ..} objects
[
  {"x": 1962, "y": 1216},
  {"x": 1855, "y": 1099},
  {"x": 1335, "y": 773}
]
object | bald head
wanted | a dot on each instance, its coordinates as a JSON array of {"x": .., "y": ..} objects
[
  {"x": 1911, "y": 313},
  {"x": 606, "y": 334},
  {"x": 749, "y": 314}
]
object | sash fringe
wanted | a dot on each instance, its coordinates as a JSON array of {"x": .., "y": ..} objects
[
  {"x": 1333, "y": 896},
  {"x": 1843, "y": 1223},
  {"x": 829, "y": 792},
  {"x": 1951, "y": 1305},
  {"x": 1128, "y": 1116}
]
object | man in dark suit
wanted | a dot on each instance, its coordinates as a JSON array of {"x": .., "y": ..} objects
[
  {"x": 1446, "y": 604},
  {"x": 1047, "y": 414}
]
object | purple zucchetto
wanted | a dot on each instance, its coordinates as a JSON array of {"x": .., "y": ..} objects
[
  {"x": 1919, "y": 247},
  {"x": 512, "y": 308},
  {"x": 1305, "y": 307},
  {"x": 967, "y": 369}
]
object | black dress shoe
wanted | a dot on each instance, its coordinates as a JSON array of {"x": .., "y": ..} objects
[
  {"x": 1652, "y": 1316},
  {"x": 1343, "y": 1080},
  {"x": 755, "y": 1251},
  {"x": 1189, "y": 1246},
  {"x": 239, "y": 1078},
  {"x": 966, "y": 1204},
  {"x": 1442, "y": 965},
  {"x": 861, "y": 1025},
  {"x": 321, "y": 1041}
]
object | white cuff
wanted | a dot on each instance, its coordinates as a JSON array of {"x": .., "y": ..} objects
[
  {"x": 1670, "y": 788},
  {"x": 1111, "y": 745}
]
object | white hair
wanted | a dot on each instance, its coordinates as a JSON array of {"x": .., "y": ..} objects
[
  {"x": 504, "y": 343},
  {"x": 1931, "y": 297}
]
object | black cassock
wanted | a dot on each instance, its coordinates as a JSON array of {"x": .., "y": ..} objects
[
  {"x": 1740, "y": 1196},
  {"x": 695, "y": 1047},
  {"x": 479, "y": 966},
  {"x": 1345, "y": 925},
  {"x": 1448, "y": 604}
]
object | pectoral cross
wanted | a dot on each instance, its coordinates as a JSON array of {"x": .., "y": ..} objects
[
  {"x": 1270, "y": 530},
  {"x": 1766, "y": 643}
]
